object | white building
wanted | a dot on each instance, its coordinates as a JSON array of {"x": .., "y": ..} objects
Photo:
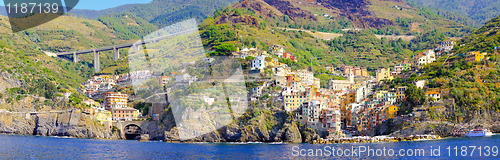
[
  {"x": 66, "y": 95},
  {"x": 362, "y": 92},
  {"x": 430, "y": 56},
  {"x": 390, "y": 97},
  {"x": 259, "y": 62},
  {"x": 420, "y": 84},
  {"x": 306, "y": 76},
  {"x": 446, "y": 46},
  {"x": 209, "y": 100},
  {"x": 341, "y": 84},
  {"x": 185, "y": 78}
]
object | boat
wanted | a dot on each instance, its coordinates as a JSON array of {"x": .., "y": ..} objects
[{"x": 479, "y": 133}]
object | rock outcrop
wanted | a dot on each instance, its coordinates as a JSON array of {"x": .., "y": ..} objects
[
  {"x": 78, "y": 125},
  {"x": 70, "y": 124},
  {"x": 253, "y": 129}
]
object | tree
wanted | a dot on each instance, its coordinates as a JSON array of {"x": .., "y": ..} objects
[
  {"x": 249, "y": 58},
  {"x": 224, "y": 49},
  {"x": 414, "y": 97},
  {"x": 268, "y": 59}
]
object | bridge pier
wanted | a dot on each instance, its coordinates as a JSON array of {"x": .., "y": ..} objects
[
  {"x": 116, "y": 53},
  {"x": 135, "y": 47},
  {"x": 96, "y": 61},
  {"x": 75, "y": 57}
]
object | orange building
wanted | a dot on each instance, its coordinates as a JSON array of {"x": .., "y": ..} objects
[
  {"x": 115, "y": 100},
  {"x": 126, "y": 114}
]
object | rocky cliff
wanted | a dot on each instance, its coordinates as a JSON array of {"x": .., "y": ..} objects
[
  {"x": 254, "y": 126},
  {"x": 70, "y": 123}
]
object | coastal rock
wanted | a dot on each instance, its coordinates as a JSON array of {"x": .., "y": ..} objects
[
  {"x": 441, "y": 129},
  {"x": 254, "y": 134},
  {"x": 309, "y": 135},
  {"x": 70, "y": 124},
  {"x": 292, "y": 134},
  {"x": 255, "y": 126},
  {"x": 172, "y": 135},
  {"x": 16, "y": 124},
  {"x": 233, "y": 133}
]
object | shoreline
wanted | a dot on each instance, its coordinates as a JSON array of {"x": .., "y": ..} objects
[
  {"x": 376, "y": 139},
  {"x": 353, "y": 140}
]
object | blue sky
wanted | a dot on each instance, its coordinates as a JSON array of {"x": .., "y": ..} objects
[{"x": 102, "y": 4}]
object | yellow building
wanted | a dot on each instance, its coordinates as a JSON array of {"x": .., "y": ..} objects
[
  {"x": 343, "y": 101},
  {"x": 391, "y": 111},
  {"x": 351, "y": 97},
  {"x": 104, "y": 116},
  {"x": 475, "y": 56},
  {"x": 272, "y": 63},
  {"x": 400, "y": 93},
  {"x": 356, "y": 86},
  {"x": 384, "y": 74},
  {"x": 379, "y": 95},
  {"x": 293, "y": 77},
  {"x": 293, "y": 101}
]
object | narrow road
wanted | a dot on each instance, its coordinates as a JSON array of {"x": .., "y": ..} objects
[{"x": 330, "y": 36}]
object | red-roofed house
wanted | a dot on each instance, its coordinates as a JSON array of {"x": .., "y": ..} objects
[{"x": 433, "y": 94}]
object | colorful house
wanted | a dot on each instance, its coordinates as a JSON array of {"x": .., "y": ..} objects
[
  {"x": 115, "y": 100},
  {"x": 290, "y": 56},
  {"x": 475, "y": 56},
  {"x": 391, "y": 111},
  {"x": 433, "y": 94},
  {"x": 384, "y": 74},
  {"x": 124, "y": 114},
  {"x": 294, "y": 100},
  {"x": 103, "y": 116},
  {"x": 259, "y": 62}
]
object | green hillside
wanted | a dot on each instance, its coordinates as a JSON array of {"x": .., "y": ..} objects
[
  {"x": 127, "y": 26},
  {"x": 473, "y": 86},
  {"x": 245, "y": 24},
  {"x": 484, "y": 39},
  {"x": 478, "y": 10},
  {"x": 165, "y": 12},
  {"x": 35, "y": 81}
]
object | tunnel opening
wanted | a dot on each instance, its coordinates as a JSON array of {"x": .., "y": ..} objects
[{"x": 132, "y": 132}]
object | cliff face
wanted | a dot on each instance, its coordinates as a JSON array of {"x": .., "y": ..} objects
[
  {"x": 357, "y": 11},
  {"x": 279, "y": 7},
  {"x": 238, "y": 19},
  {"x": 254, "y": 126},
  {"x": 293, "y": 12},
  {"x": 289, "y": 133},
  {"x": 71, "y": 124}
]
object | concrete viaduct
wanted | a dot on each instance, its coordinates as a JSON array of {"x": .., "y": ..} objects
[{"x": 116, "y": 54}]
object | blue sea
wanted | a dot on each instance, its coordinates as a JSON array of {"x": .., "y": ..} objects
[{"x": 31, "y": 147}]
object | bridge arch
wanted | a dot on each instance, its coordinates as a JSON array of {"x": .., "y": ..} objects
[{"x": 132, "y": 132}]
